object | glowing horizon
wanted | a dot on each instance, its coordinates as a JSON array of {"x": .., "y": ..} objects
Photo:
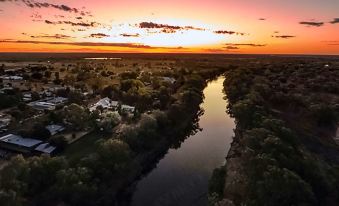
[{"x": 216, "y": 26}]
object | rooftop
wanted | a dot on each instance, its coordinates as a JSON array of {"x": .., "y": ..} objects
[
  {"x": 45, "y": 148},
  {"x": 54, "y": 128},
  {"x": 105, "y": 103},
  {"x": 20, "y": 141}
]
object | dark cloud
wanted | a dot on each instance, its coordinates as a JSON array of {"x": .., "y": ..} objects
[
  {"x": 89, "y": 44},
  {"x": 248, "y": 44},
  {"x": 262, "y": 19},
  {"x": 130, "y": 35},
  {"x": 55, "y": 36},
  {"x": 36, "y": 4},
  {"x": 83, "y": 24},
  {"x": 98, "y": 35},
  {"x": 229, "y": 32},
  {"x": 335, "y": 21},
  {"x": 151, "y": 25},
  {"x": 79, "y": 17},
  {"x": 283, "y": 36},
  {"x": 36, "y": 16},
  {"x": 62, "y": 7},
  {"x": 194, "y": 28},
  {"x": 131, "y": 45},
  {"x": 49, "y": 22},
  {"x": 59, "y": 16},
  {"x": 312, "y": 23},
  {"x": 231, "y": 47},
  {"x": 165, "y": 28},
  {"x": 168, "y": 31}
]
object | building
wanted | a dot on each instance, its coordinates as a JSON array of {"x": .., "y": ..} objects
[
  {"x": 18, "y": 144},
  {"x": 127, "y": 108},
  {"x": 105, "y": 103},
  {"x": 55, "y": 129},
  {"x": 45, "y": 148},
  {"x": 169, "y": 80},
  {"x": 14, "y": 78},
  {"x": 27, "y": 97},
  {"x": 39, "y": 105},
  {"x": 48, "y": 103}
]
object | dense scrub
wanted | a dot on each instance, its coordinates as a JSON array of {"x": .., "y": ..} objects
[{"x": 285, "y": 112}]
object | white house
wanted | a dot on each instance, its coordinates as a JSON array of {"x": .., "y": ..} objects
[
  {"x": 127, "y": 108},
  {"x": 105, "y": 103}
]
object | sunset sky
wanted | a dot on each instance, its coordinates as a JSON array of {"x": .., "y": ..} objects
[{"x": 211, "y": 26}]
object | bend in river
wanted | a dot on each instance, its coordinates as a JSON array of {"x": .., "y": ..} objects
[{"x": 181, "y": 177}]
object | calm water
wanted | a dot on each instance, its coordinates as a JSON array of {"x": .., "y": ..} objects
[{"x": 181, "y": 177}]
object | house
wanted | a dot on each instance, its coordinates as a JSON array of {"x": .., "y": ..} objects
[
  {"x": 46, "y": 93},
  {"x": 27, "y": 97},
  {"x": 39, "y": 105},
  {"x": 55, "y": 129},
  {"x": 105, "y": 103},
  {"x": 127, "y": 108},
  {"x": 13, "y": 78},
  {"x": 169, "y": 79},
  {"x": 58, "y": 100},
  {"x": 45, "y": 148},
  {"x": 48, "y": 103},
  {"x": 18, "y": 144}
]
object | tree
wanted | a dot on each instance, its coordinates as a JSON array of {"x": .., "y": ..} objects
[
  {"x": 59, "y": 141},
  {"x": 109, "y": 121},
  {"x": 77, "y": 116},
  {"x": 39, "y": 131},
  {"x": 282, "y": 187},
  {"x": 75, "y": 97},
  {"x": 37, "y": 75}
]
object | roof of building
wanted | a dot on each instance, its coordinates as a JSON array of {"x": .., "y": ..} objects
[
  {"x": 169, "y": 79},
  {"x": 12, "y": 78},
  {"x": 127, "y": 107},
  {"x": 105, "y": 103},
  {"x": 54, "y": 128},
  {"x": 20, "y": 141},
  {"x": 58, "y": 100},
  {"x": 45, "y": 148}
]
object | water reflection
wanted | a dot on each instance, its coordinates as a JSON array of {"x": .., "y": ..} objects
[{"x": 181, "y": 177}]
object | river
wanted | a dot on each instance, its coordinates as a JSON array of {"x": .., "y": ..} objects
[{"x": 181, "y": 177}]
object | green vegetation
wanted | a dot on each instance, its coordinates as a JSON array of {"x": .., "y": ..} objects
[
  {"x": 94, "y": 175},
  {"x": 280, "y": 112}
]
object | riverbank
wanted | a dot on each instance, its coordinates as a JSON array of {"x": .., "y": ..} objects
[
  {"x": 99, "y": 177},
  {"x": 171, "y": 136},
  {"x": 181, "y": 176},
  {"x": 283, "y": 151}
]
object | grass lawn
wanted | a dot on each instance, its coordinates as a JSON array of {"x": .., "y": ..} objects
[{"x": 83, "y": 146}]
